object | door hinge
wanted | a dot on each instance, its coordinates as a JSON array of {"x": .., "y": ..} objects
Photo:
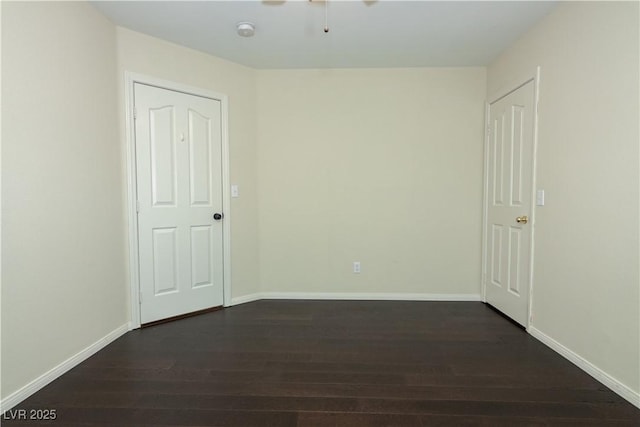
[
  {"x": 137, "y": 206},
  {"x": 135, "y": 113},
  {"x": 140, "y": 298}
]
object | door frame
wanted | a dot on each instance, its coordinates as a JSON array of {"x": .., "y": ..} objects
[
  {"x": 130, "y": 79},
  {"x": 515, "y": 84}
]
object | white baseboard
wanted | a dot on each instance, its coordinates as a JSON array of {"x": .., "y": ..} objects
[
  {"x": 621, "y": 389},
  {"x": 246, "y": 298},
  {"x": 355, "y": 296},
  {"x": 373, "y": 296},
  {"x": 18, "y": 396}
]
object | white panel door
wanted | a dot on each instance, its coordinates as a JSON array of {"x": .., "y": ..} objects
[
  {"x": 508, "y": 236},
  {"x": 179, "y": 186}
]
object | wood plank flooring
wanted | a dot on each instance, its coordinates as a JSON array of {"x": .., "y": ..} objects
[{"x": 330, "y": 363}]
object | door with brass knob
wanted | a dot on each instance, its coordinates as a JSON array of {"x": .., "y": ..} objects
[{"x": 508, "y": 202}]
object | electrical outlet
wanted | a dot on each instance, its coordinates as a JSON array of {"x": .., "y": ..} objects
[{"x": 356, "y": 267}]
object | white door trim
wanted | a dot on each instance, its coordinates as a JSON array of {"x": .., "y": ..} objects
[
  {"x": 134, "y": 278},
  {"x": 515, "y": 84}
]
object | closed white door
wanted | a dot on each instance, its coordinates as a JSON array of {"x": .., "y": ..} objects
[
  {"x": 508, "y": 234},
  {"x": 179, "y": 187}
]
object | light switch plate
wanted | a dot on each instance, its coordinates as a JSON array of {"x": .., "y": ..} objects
[
  {"x": 540, "y": 198},
  {"x": 235, "y": 192}
]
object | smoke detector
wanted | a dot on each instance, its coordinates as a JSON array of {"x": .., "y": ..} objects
[{"x": 246, "y": 29}]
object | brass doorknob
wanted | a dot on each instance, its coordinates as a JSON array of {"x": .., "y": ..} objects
[{"x": 522, "y": 219}]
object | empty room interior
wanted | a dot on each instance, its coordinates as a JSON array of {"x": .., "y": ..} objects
[{"x": 320, "y": 213}]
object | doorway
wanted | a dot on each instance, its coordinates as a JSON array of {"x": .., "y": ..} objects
[
  {"x": 509, "y": 200},
  {"x": 178, "y": 176}
]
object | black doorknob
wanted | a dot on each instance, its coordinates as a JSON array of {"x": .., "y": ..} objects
[{"x": 218, "y": 216}]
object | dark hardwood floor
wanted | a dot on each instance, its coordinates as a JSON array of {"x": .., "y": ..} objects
[{"x": 330, "y": 363}]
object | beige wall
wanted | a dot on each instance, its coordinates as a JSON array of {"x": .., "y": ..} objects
[
  {"x": 1, "y": 221},
  {"x": 378, "y": 166},
  {"x": 586, "y": 277},
  {"x": 63, "y": 268},
  {"x": 148, "y": 55}
]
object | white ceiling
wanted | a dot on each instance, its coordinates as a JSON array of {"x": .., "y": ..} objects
[{"x": 382, "y": 33}]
